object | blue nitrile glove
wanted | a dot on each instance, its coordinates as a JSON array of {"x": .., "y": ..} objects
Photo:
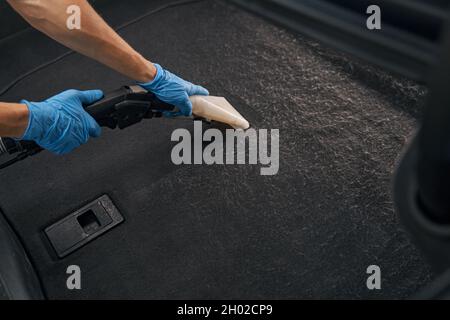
[
  {"x": 174, "y": 90},
  {"x": 60, "y": 124}
]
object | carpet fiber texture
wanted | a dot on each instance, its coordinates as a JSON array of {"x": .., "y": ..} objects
[{"x": 225, "y": 232}]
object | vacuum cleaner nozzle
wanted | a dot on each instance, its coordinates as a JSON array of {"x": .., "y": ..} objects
[{"x": 218, "y": 109}]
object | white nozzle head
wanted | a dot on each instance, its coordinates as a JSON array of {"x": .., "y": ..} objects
[{"x": 218, "y": 109}]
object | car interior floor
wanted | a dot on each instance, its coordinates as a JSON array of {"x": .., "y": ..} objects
[{"x": 223, "y": 231}]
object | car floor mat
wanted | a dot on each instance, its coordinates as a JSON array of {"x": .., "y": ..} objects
[{"x": 225, "y": 231}]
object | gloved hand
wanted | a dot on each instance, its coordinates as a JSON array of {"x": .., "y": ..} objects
[
  {"x": 174, "y": 90},
  {"x": 60, "y": 124}
]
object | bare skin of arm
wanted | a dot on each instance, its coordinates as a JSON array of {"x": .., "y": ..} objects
[
  {"x": 95, "y": 39},
  {"x": 13, "y": 119}
]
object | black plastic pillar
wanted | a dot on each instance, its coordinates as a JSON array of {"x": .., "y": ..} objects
[{"x": 434, "y": 142}]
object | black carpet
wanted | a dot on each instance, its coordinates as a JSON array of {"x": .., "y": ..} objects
[{"x": 225, "y": 231}]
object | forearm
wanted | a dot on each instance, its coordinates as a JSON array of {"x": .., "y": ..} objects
[
  {"x": 94, "y": 39},
  {"x": 13, "y": 119}
]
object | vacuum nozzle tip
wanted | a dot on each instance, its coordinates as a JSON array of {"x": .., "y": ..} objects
[
  {"x": 242, "y": 124},
  {"x": 218, "y": 109}
]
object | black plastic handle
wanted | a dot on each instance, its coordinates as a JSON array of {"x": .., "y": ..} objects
[{"x": 119, "y": 108}]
